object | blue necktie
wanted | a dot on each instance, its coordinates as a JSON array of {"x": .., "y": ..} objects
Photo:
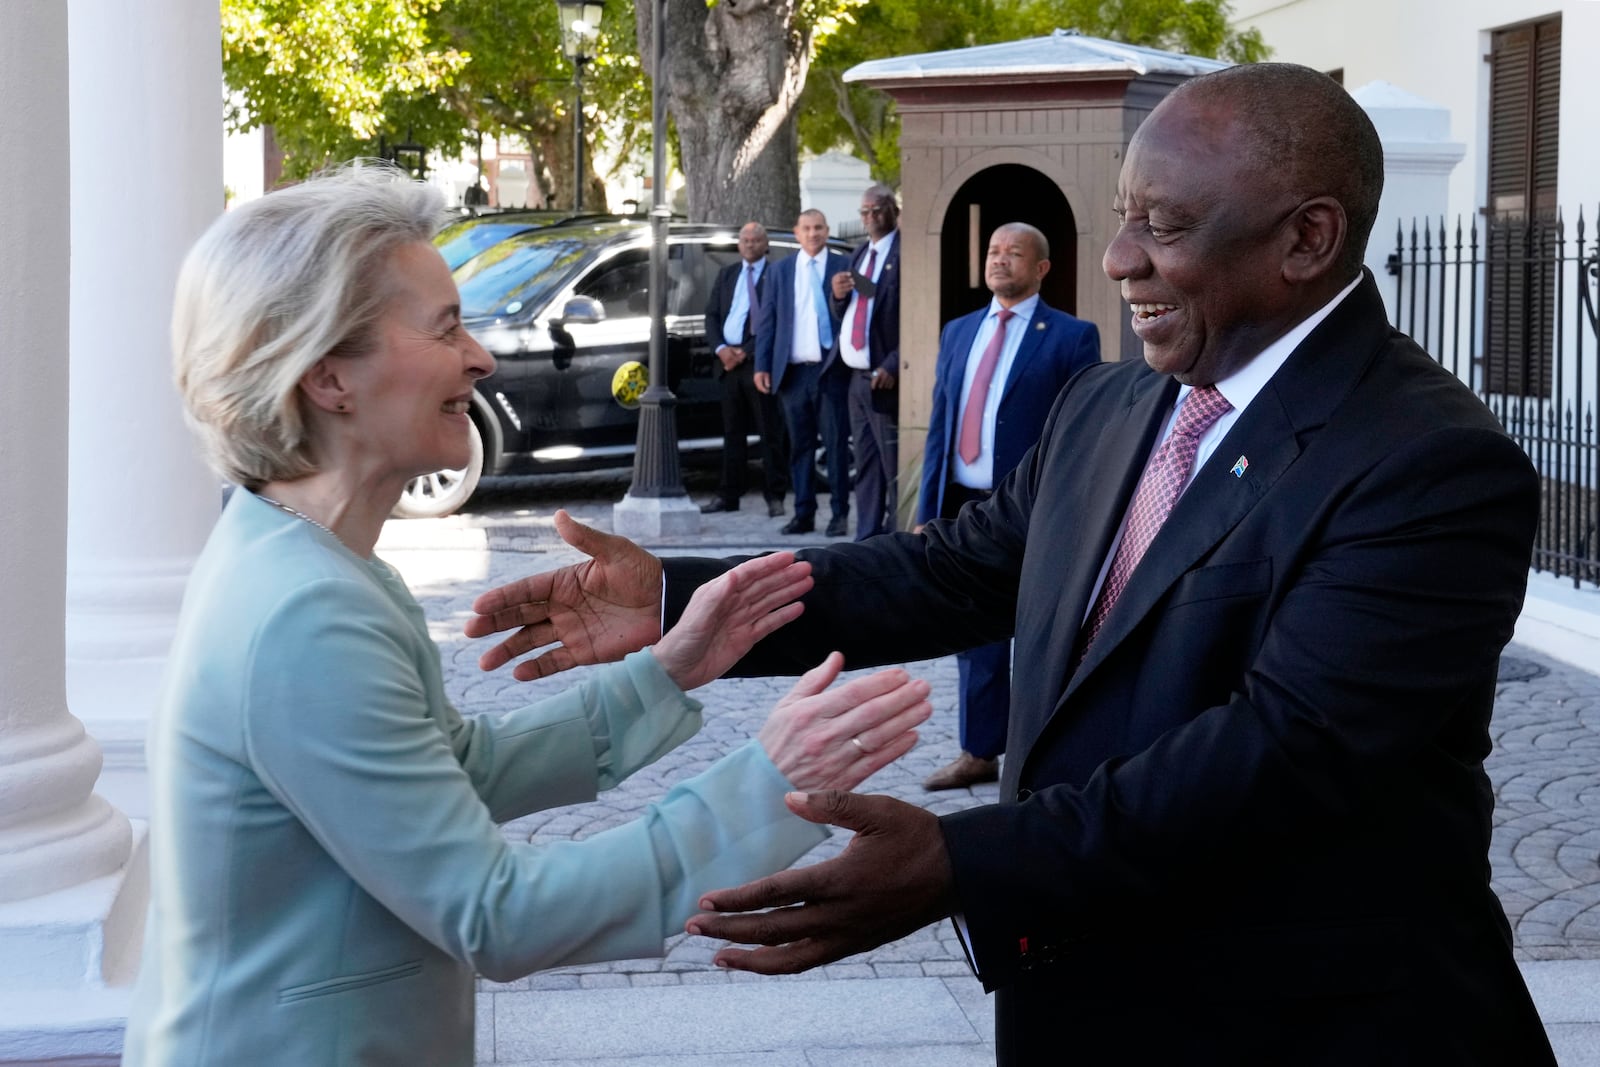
[{"x": 824, "y": 331}]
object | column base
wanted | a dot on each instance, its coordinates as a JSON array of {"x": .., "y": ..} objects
[
  {"x": 124, "y": 775},
  {"x": 655, "y": 516},
  {"x": 67, "y": 965}
]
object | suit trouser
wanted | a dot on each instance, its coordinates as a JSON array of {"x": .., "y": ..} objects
[
  {"x": 806, "y": 392},
  {"x": 983, "y": 673},
  {"x": 875, "y": 438},
  {"x": 746, "y": 408}
]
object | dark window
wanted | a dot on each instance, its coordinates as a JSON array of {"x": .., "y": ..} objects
[
  {"x": 622, "y": 285},
  {"x": 1524, "y": 120}
]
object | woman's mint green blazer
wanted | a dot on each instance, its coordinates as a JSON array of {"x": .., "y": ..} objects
[{"x": 327, "y": 874}]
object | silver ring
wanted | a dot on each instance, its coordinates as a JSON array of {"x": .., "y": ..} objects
[{"x": 856, "y": 741}]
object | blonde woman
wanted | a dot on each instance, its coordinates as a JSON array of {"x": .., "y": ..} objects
[{"x": 327, "y": 872}]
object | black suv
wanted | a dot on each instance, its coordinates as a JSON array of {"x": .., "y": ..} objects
[{"x": 561, "y": 308}]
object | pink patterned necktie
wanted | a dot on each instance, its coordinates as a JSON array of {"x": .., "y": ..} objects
[
  {"x": 858, "y": 321},
  {"x": 1159, "y": 488},
  {"x": 971, "y": 440}
]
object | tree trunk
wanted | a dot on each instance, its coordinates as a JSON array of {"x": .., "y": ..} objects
[
  {"x": 553, "y": 169},
  {"x": 734, "y": 75}
]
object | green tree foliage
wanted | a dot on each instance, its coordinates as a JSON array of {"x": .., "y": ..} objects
[
  {"x": 862, "y": 120},
  {"x": 333, "y": 76},
  {"x": 339, "y": 78}
]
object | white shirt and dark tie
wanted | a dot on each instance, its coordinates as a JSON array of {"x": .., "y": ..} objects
[{"x": 857, "y": 356}]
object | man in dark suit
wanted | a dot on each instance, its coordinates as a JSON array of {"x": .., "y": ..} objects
[
  {"x": 1244, "y": 812},
  {"x": 997, "y": 376},
  {"x": 733, "y": 315},
  {"x": 795, "y": 361},
  {"x": 869, "y": 348}
]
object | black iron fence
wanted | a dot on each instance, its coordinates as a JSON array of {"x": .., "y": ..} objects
[{"x": 1510, "y": 309}]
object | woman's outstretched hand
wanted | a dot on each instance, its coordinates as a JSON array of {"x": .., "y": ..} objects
[
  {"x": 596, "y": 611},
  {"x": 729, "y": 614},
  {"x": 823, "y": 738}
]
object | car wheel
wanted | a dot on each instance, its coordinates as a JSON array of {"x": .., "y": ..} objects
[{"x": 442, "y": 493}]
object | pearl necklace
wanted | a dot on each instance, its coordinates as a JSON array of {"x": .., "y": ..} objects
[{"x": 281, "y": 506}]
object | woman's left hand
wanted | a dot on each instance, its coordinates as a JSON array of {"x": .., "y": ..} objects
[
  {"x": 822, "y": 738},
  {"x": 729, "y": 614}
]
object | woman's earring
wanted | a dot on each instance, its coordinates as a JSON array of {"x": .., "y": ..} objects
[{"x": 341, "y": 407}]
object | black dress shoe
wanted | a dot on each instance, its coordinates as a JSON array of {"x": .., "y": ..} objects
[
  {"x": 838, "y": 526},
  {"x": 711, "y": 507},
  {"x": 798, "y": 525},
  {"x": 774, "y": 509}
]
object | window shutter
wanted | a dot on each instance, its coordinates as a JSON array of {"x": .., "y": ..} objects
[{"x": 1524, "y": 149}]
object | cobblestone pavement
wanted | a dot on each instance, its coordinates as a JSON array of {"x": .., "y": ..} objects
[
  {"x": 1546, "y": 772},
  {"x": 1545, "y": 766},
  {"x": 520, "y": 540}
]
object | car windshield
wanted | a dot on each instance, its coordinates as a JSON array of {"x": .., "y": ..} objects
[
  {"x": 461, "y": 242},
  {"x": 520, "y": 273}
]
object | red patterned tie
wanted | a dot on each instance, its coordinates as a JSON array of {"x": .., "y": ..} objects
[
  {"x": 1159, "y": 488},
  {"x": 858, "y": 321},
  {"x": 971, "y": 438}
]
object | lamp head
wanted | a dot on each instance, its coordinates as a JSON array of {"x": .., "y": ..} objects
[{"x": 580, "y": 25}]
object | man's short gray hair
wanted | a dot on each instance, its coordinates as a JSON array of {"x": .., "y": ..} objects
[{"x": 271, "y": 288}]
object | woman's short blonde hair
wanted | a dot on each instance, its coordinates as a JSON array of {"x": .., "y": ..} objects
[{"x": 272, "y": 287}]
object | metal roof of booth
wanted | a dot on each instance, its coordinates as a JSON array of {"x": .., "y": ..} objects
[{"x": 1063, "y": 52}]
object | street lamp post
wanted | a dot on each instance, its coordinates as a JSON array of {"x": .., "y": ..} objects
[
  {"x": 656, "y": 502},
  {"x": 580, "y": 22}
]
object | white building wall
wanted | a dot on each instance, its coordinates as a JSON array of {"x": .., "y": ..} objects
[{"x": 1436, "y": 49}]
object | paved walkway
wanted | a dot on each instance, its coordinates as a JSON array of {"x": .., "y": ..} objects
[{"x": 914, "y": 1003}]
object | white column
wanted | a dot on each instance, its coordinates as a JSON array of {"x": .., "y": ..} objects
[
  {"x": 1418, "y": 157},
  {"x": 146, "y": 98},
  {"x": 69, "y": 911}
]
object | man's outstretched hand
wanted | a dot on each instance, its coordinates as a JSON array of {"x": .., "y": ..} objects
[
  {"x": 892, "y": 878},
  {"x": 596, "y": 611}
]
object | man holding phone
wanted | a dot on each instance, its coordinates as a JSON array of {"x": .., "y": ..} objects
[{"x": 868, "y": 297}]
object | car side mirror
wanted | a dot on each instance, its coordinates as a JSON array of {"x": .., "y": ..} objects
[{"x": 581, "y": 309}]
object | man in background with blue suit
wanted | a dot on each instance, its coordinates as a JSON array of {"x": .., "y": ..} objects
[
  {"x": 998, "y": 374},
  {"x": 796, "y": 359}
]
